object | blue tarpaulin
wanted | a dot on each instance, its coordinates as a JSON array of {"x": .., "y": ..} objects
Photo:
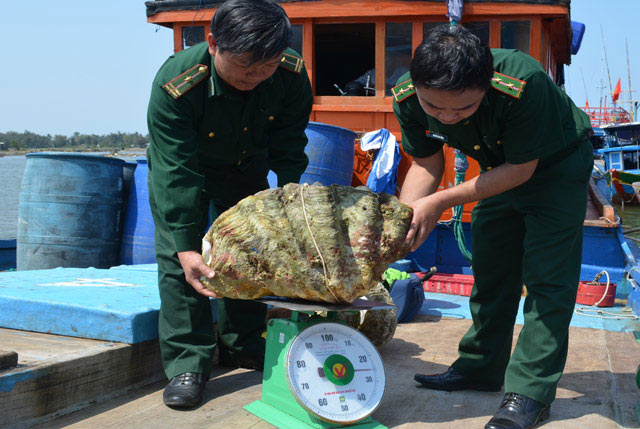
[
  {"x": 578, "y": 29},
  {"x": 384, "y": 172}
]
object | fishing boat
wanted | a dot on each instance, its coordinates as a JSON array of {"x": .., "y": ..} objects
[
  {"x": 339, "y": 40},
  {"x": 372, "y": 32},
  {"x": 621, "y": 154}
]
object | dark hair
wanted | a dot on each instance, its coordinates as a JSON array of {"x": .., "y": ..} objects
[
  {"x": 451, "y": 58},
  {"x": 258, "y": 27}
]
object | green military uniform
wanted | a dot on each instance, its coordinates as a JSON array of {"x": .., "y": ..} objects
[
  {"x": 531, "y": 234},
  {"x": 212, "y": 145}
]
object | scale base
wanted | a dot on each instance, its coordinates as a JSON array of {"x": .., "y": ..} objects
[{"x": 282, "y": 420}]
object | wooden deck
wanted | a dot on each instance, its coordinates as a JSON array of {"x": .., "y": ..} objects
[
  {"x": 598, "y": 389},
  {"x": 57, "y": 374}
]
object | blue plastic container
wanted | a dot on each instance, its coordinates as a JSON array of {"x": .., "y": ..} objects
[
  {"x": 331, "y": 151},
  {"x": 69, "y": 211},
  {"x": 138, "y": 242},
  {"x": 7, "y": 254},
  {"x": 128, "y": 169}
]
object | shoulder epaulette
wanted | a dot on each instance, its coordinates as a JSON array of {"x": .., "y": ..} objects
[
  {"x": 187, "y": 80},
  {"x": 403, "y": 91},
  {"x": 292, "y": 63},
  {"x": 507, "y": 84}
]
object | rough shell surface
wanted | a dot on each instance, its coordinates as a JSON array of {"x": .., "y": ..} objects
[
  {"x": 379, "y": 325},
  {"x": 319, "y": 243}
]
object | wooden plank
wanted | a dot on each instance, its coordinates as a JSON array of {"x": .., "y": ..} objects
[
  {"x": 8, "y": 359},
  {"x": 368, "y": 103},
  {"x": 177, "y": 37},
  {"x": 365, "y": 8},
  {"x": 308, "y": 53},
  {"x": 605, "y": 210},
  {"x": 535, "y": 39},
  {"x": 380, "y": 53},
  {"x": 71, "y": 379},
  {"x": 544, "y": 46},
  {"x": 495, "y": 33},
  {"x": 417, "y": 35}
]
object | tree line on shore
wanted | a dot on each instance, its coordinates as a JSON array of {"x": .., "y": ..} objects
[{"x": 12, "y": 140}]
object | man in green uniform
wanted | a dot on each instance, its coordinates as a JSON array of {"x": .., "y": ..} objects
[
  {"x": 501, "y": 108},
  {"x": 221, "y": 114}
]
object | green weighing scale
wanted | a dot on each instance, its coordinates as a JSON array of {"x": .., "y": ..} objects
[{"x": 319, "y": 372}]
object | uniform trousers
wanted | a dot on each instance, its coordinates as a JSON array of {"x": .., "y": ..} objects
[
  {"x": 185, "y": 326},
  {"x": 529, "y": 235}
]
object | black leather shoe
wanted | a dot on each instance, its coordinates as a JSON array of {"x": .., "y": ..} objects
[
  {"x": 184, "y": 390},
  {"x": 518, "y": 412},
  {"x": 453, "y": 380},
  {"x": 248, "y": 362}
]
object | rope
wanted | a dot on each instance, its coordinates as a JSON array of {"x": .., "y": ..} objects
[
  {"x": 458, "y": 232},
  {"x": 585, "y": 311},
  {"x": 461, "y": 166},
  {"x": 324, "y": 266},
  {"x": 605, "y": 289},
  {"x": 609, "y": 220},
  {"x": 604, "y": 314}
]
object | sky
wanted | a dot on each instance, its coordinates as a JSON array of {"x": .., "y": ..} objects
[
  {"x": 618, "y": 21},
  {"x": 86, "y": 66}
]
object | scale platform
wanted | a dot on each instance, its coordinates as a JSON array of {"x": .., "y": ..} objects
[
  {"x": 319, "y": 372},
  {"x": 310, "y": 306}
]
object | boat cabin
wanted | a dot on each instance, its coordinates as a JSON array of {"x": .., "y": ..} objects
[
  {"x": 623, "y": 134},
  {"x": 354, "y": 50}
]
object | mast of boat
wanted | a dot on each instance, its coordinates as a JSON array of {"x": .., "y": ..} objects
[
  {"x": 586, "y": 95},
  {"x": 604, "y": 48},
  {"x": 631, "y": 110}
]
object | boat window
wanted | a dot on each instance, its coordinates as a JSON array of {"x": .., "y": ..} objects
[
  {"x": 515, "y": 35},
  {"x": 296, "y": 38},
  {"x": 192, "y": 35},
  {"x": 428, "y": 26},
  {"x": 397, "y": 52},
  {"x": 480, "y": 29},
  {"x": 630, "y": 160},
  {"x": 344, "y": 53}
]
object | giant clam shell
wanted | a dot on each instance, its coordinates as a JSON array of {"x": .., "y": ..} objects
[
  {"x": 319, "y": 243},
  {"x": 379, "y": 325}
]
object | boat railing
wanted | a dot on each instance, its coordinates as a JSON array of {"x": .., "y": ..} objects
[{"x": 600, "y": 116}]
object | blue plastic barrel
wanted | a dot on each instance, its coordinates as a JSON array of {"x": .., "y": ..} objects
[
  {"x": 69, "y": 211},
  {"x": 7, "y": 254},
  {"x": 138, "y": 242},
  {"x": 331, "y": 151},
  {"x": 128, "y": 169}
]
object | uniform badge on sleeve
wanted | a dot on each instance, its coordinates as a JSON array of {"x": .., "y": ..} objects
[
  {"x": 507, "y": 84},
  {"x": 441, "y": 138},
  {"x": 186, "y": 81},
  {"x": 292, "y": 63},
  {"x": 403, "y": 91}
]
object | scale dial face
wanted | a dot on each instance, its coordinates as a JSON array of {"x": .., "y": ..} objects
[{"x": 335, "y": 373}]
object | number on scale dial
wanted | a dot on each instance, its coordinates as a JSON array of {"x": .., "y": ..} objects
[{"x": 335, "y": 373}]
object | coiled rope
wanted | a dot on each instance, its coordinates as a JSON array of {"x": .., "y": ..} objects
[{"x": 593, "y": 311}]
